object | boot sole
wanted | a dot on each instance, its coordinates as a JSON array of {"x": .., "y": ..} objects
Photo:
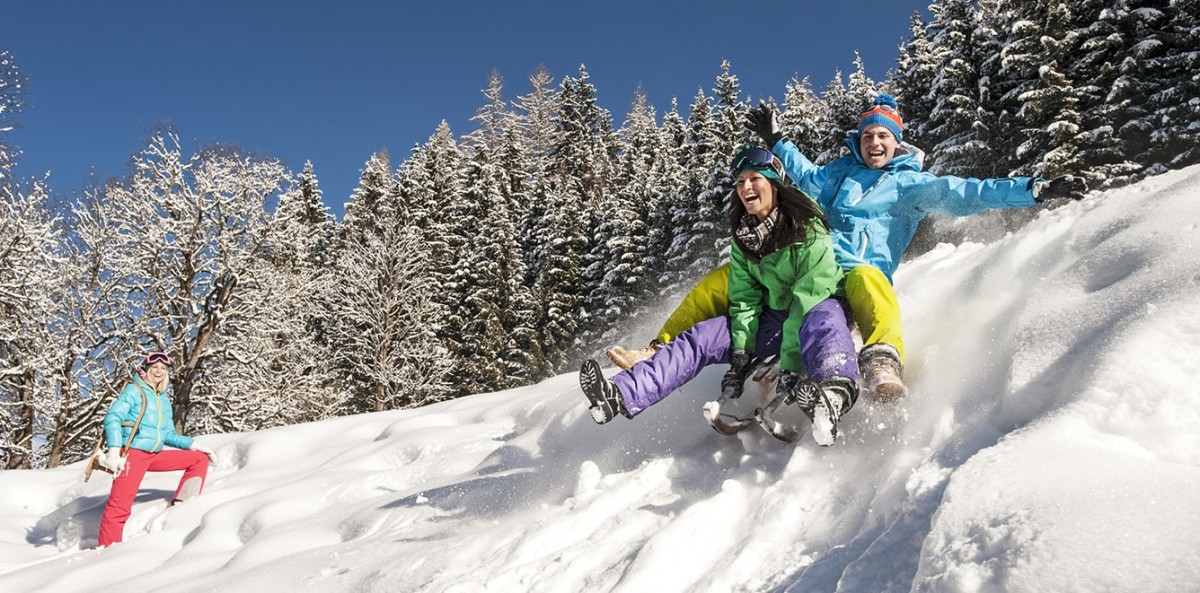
[
  {"x": 590, "y": 378},
  {"x": 886, "y": 393},
  {"x": 824, "y": 427}
]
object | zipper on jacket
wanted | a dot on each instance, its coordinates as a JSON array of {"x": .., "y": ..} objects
[
  {"x": 868, "y": 190},
  {"x": 158, "y": 433}
]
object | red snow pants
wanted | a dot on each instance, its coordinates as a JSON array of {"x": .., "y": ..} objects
[{"x": 125, "y": 486}]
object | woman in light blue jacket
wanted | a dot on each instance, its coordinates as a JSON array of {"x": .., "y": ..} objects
[{"x": 137, "y": 427}]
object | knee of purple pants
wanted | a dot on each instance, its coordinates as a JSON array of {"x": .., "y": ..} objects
[
  {"x": 650, "y": 381},
  {"x": 826, "y": 343}
]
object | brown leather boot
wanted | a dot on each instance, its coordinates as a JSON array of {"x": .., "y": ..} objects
[
  {"x": 880, "y": 368},
  {"x": 627, "y": 358}
]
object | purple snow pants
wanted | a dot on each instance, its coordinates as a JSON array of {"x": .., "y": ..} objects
[{"x": 826, "y": 347}]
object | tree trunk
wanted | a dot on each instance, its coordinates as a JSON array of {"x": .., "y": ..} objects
[
  {"x": 185, "y": 378},
  {"x": 22, "y": 441}
]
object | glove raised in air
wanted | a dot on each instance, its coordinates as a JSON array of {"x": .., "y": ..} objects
[{"x": 764, "y": 121}]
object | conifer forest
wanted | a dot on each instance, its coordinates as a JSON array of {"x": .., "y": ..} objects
[{"x": 502, "y": 255}]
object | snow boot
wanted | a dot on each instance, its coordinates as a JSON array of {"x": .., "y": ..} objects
[
  {"x": 835, "y": 397},
  {"x": 627, "y": 358},
  {"x": 604, "y": 399},
  {"x": 188, "y": 490},
  {"x": 880, "y": 366}
]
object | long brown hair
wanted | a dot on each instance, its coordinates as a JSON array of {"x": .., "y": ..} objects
[{"x": 797, "y": 213}]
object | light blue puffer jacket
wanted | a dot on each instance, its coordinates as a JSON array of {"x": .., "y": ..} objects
[
  {"x": 873, "y": 213},
  {"x": 158, "y": 423}
]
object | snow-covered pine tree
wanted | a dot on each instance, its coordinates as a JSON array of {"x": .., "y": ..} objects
[
  {"x": 666, "y": 231},
  {"x": 475, "y": 328},
  {"x": 916, "y": 70},
  {"x": 996, "y": 124},
  {"x": 1051, "y": 110},
  {"x": 1106, "y": 95},
  {"x": 1176, "y": 104},
  {"x": 728, "y": 134},
  {"x": 843, "y": 108},
  {"x": 692, "y": 232},
  {"x": 950, "y": 133},
  {"x": 802, "y": 114},
  {"x": 434, "y": 198},
  {"x": 581, "y": 179},
  {"x": 373, "y": 202},
  {"x": 622, "y": 237},
  {"x": 537, "y": 122},
  {"x": 670, "y": 163},
  {"x": 729, "y": 113},
  {"x": 500, "y": 169},
  {"x": 484, "y": 278}
]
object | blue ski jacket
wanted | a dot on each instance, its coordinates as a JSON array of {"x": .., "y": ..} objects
[
  {"x": 873, "y": 213},
  {"x": 158, "y": 423}
]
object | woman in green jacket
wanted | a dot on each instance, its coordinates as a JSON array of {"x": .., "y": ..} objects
[{"x": 782, "y": 280}]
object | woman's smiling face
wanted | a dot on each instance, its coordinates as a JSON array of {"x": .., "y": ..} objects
[
  {"x": 756, "y": 192},
  {"x": 157, "y": 373}
]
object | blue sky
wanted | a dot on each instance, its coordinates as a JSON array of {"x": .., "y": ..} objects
[{"x": 334, "y": 82}]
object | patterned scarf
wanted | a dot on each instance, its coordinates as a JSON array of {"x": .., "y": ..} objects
[{"x": 755, "y": 235}]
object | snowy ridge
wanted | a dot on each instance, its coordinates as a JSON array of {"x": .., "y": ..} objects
[{"x": 1051, "y": 443}]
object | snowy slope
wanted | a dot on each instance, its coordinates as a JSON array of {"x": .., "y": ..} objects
[{"x": 1051, "y": 443}]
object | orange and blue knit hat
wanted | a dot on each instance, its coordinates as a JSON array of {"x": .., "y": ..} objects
[{"x": 883, "y": 112}]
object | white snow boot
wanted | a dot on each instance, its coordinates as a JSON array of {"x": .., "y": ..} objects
[
  {"x": 189, "y": 490},
  {"x": 836, "y": 396}
]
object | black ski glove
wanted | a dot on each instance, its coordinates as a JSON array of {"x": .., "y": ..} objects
[
  {"x": 735, "y": 377},
  {"x": 1066, "y": 186},
  {"x": 764, "y": 121}
]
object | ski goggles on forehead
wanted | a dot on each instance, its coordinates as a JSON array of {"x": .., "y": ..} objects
[
  {"x": 884, "y": 107},
  {"x": 759, "y": 159},
  {"x": 157, "y": 357}
]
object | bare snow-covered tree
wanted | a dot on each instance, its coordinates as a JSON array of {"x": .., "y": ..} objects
[
  {"x": 12, "y": 100},
  {"x": 96, "y": 331},
  {"x": 198, "y": 225},
  {"x": 275, "y": 353},
  {"x": 386, "y": 317},
  {"x": 29, "y": 266}
]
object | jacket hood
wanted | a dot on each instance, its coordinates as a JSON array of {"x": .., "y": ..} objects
[{"x": 907, "y": 157}]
